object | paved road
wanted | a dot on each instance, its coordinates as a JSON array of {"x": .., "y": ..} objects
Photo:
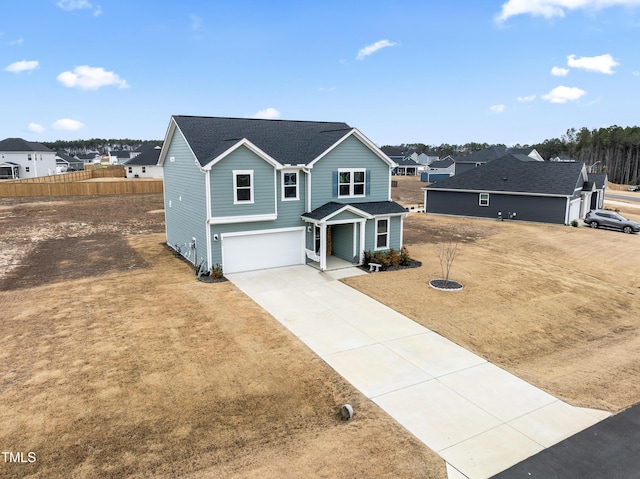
[
  {"x": 610, "y": 449},
  {"x": 623, "y": 197}
]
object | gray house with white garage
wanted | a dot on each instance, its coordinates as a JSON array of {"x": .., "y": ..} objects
[
  {"x": 541, "y": 191},
  {"x": 251, "y": 194}
]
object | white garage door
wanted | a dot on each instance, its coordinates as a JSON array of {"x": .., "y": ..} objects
[{"x": 259, "y": 250}]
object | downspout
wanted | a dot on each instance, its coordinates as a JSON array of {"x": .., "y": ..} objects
[
  {"x": 207, "y": 189},
  {"x": 566, "y": 212}
]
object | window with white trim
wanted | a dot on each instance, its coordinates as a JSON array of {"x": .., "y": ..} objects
[
  {"x": 351, "y": 182},
  {"x": 289, "y": 185},
  {"x": 144, "y": 169},
  {"x": 242, "y": 186},
  {"x": 382, "y": 233},
  {"x": 131, "y": 169},
  {"x": 484, "y": 199}
]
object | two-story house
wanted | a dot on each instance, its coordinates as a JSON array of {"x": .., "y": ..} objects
[
  {"x": 25, "y": 159},
  {"x": 250, "y": 194}
]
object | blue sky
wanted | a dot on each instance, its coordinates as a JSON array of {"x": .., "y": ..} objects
[{"x": 429, "y": 71}]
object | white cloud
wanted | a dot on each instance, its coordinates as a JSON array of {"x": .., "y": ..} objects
[
  {"x": 267, "y": 114},
  {"x": 18, "y": 42},
  {"x": 22, "y": 66},
  {"x": 67, "y": 124},
  {"x": 35, "y": 127},
  {"x": 563, "y": 94},
  {"x": 497, "y": 108},
  {"x": 70, "y": 5},
  {"x": 524, "y": 99},
  {"x": 559, "y": 72},
  {"x": 330, "y": 88},
  {"x": 601, "y": 63},
  {"x": 374, "y": 47},
  {"x": 555, "y": 8},
  {"x": 636, "y": 73},
  {"x": 90, "y": 78}
]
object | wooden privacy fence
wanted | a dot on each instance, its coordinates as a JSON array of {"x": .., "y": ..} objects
[{"x": 75, "y": 184}]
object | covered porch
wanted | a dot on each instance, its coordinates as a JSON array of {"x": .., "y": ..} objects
[
  {"x": 335, "y": 236},
  {"x": 9, "y": 171}
]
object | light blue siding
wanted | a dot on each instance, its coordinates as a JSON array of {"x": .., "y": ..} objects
[
  {"x": 351, "y": 153},
  {"x": 222, "y": 186},
  {"x": 394, "y": 234},
  {"x": 184, "y": 201},
  {"x": 342, "y": 241}
]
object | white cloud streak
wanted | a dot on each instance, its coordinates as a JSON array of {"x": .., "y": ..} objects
[
  {"x": 267, "y": 114},
  {"x": 23, "y": 66},
  {"x": 90, "y": 78},
  {"x": 555, "y": 8},
  {"x": 600, "y": 64},
  {"x": 563, "y": 94},
  {"x": 497, "y": 108},
  {"x": 67, "y": 124},
  {"x": 35, "y": 127},
  {"x": 374, "y": 47},
  {"x": 526, "y": 99},
  {"x": 559, "y": 72},
  {"x": 71, "y": 5}
]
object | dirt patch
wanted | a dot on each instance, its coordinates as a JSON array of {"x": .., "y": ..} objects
[
  {"x": 122, "y": 368},
  {"x": 408, "y": 191}
]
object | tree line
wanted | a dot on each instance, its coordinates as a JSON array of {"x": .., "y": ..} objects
[
  {"x": 101, "y": 145},
  {"x": 613, "y": 150}
]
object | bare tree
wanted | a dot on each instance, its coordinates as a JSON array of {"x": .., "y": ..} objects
[{"x": 447, "y": 252}]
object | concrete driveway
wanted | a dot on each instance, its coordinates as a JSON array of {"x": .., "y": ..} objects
[{"x": 479, "y": 418}]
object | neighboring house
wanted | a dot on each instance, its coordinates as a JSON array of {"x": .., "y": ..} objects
[
  {"x": 478, "y": 158},
  {"x": 66, "y": 163},
  {"x": 546, "y": 192},
  {"x": 250, "y": 194},
  {"x": 439, "y": 170},
  {"x": 427, "y": 158},
  {"x": 599, "y": 181},
  {"x": 406, "y": 167},
  {"x": 144, "y": 165},
  {"x": 25, "y": 159},
  {"x": 119, "y": 157},
  {"x": 562, "y": 158},
  {"x": 393, "y": 152},
  {"x": 94, "y": 158}
]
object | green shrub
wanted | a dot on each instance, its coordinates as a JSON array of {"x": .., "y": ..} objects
[
  {"x": 387, "y": 259},
  {"x": 574, "y": 223}
]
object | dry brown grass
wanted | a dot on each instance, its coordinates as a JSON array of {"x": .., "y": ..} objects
[{"x": 135, "y": 369}]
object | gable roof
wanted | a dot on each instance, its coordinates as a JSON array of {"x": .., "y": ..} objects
[
  {"x": 483, "y": 156},
  {"x": 371, "y": 208},
  {"x": 148, "y": 157},
  {"x": 407, "y": 162},
  {"x": 288, "y": 142},
  {"x": 599, "y": 179},
  {"x": 446, "y": 163},
  {"x": 510, "y": 174},
  {"x": 18, "y": 144}
]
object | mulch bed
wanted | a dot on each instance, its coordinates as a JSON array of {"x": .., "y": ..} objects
[
  {"x": 445, "y": 285},
  {"x": 412, "y": 264}
]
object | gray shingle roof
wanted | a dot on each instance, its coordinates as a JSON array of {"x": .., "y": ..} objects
[
  {"x": 407, "y": 162},
  {"x": 146, "y": 158},
  {"x": 599, "y": 179},
  {"x": 483, "y": 156},
  {"x": 441, "y": 163},
  {"x": 288, "y": 142},
  {"x": 372, "y": 207},
  {"x": 509, "y": 174},
  {"x": 18, "y": 144}
]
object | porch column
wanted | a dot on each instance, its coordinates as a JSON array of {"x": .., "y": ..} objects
[
  {"x": 323, "y": 246},
  {"x": 362, "y": 233}
]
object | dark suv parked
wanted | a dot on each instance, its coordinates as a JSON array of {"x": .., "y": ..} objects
[{"x": 611, "y": 219}]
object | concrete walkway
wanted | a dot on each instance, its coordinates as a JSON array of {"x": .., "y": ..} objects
[{"x": 479, "y": 418}]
